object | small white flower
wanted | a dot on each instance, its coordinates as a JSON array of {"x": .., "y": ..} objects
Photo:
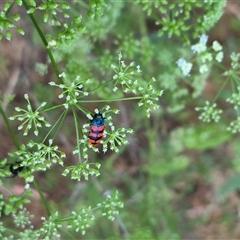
[
  {"x": 52, "y": 83},
  {"x": 203, "y": 68},
  {"x": 138, "y": 69},
  {"x": 203, "y": 38},
  {"x": 206, "y": 57},
  {"x": 185, "y": 66},
  {"x": 216, "y": 46},
  {"x": 123, "y": 64},
  {"x": 63, "y": 75},
  {"x": 219, "y": 57},
  {"x": 119, "y": 56},
  {"x": 66, "y": 105},
  {"x": 113, "y": 66},
  {"x": 52, "y": 43}
]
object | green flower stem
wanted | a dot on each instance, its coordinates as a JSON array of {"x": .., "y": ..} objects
[
  {"x": 235, "y": 77},
  {"x": 102, "y": 85},
  {"x": 51, "y": 108},
  {"x": 220, "y": 66},
  {"x": 83, "y": 109},
  {"x": 77, "y": 133},
  {"x": 11, "y": 230},
  {"x": 111, "y": 100},
  {"x": 65, "y": 219},
  {"x": 223, "y": 85},
  {"x": 9, "y": 127},
  {"x": 44, "y": 42},
  {"x": 68, "y": 233},
  {"x": 42, "y": 198},
  {"x": 58, "y": 123}
]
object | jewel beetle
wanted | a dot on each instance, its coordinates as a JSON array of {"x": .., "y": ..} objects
[{"x": 96, "y": 129}]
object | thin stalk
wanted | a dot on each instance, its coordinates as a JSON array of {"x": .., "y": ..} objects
[
  {"x": 42, "y": 198},
  {"x": 63, "y": 115},
  {"x": 110, "y": 100},
  {"x": 101, "y": 85},
  {"x": 9, "y": 127},
  {"x": 223, "y": 85},
  {"x": 77, "y": 134},
  {"x": 58, "y": 123},
  {"x": 49, "y": 52}
]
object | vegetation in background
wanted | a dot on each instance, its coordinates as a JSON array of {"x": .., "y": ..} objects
[{"x": 170, "y": 97}]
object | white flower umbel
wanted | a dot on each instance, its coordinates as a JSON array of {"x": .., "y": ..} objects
[{"x": 30, "y": 118}]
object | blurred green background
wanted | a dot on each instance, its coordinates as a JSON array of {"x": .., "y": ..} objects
[{"x": 178, "y": 177}]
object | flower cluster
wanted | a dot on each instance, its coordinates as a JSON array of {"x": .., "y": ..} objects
[
  {"x": 185, "y": 66},
  {"x": 38, "y": 156},
  {"x": 81, "y": 220},
  {"x": 235, "y": 99},
  {"x": 51, "y": 10},
  {"x": 29, "y": 234},
  {"x": 201, "y": 46},
  {"x": 84, "y": 169},
  {"x": 22, "y": 218},
  {"x": 209, "y": 112},
  {"x": 173, "y": 16},
  {"x": 233, "y": 71},
  {"x": 16, "y": 202},
  {"x": 234, "y": 126},
  {"x": 3, "y": 172},
  {"x": 7, "y": 21},
  {"x": 71, "y": 91},
  {"x": 30, "y": 117},
  {"x": 150, "y": 97},
  {"x": 112, "y": 137},
  {"x": 111, "y": 205},
  {"x": 115, "y": 138},
  {"x": 50, "y": 227},
  {"x": 218, "y": 49},
  {"x": 126, "y": 75},
  {"x": 204, "y": 57},
  {"x": 235, "y": 60}
]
